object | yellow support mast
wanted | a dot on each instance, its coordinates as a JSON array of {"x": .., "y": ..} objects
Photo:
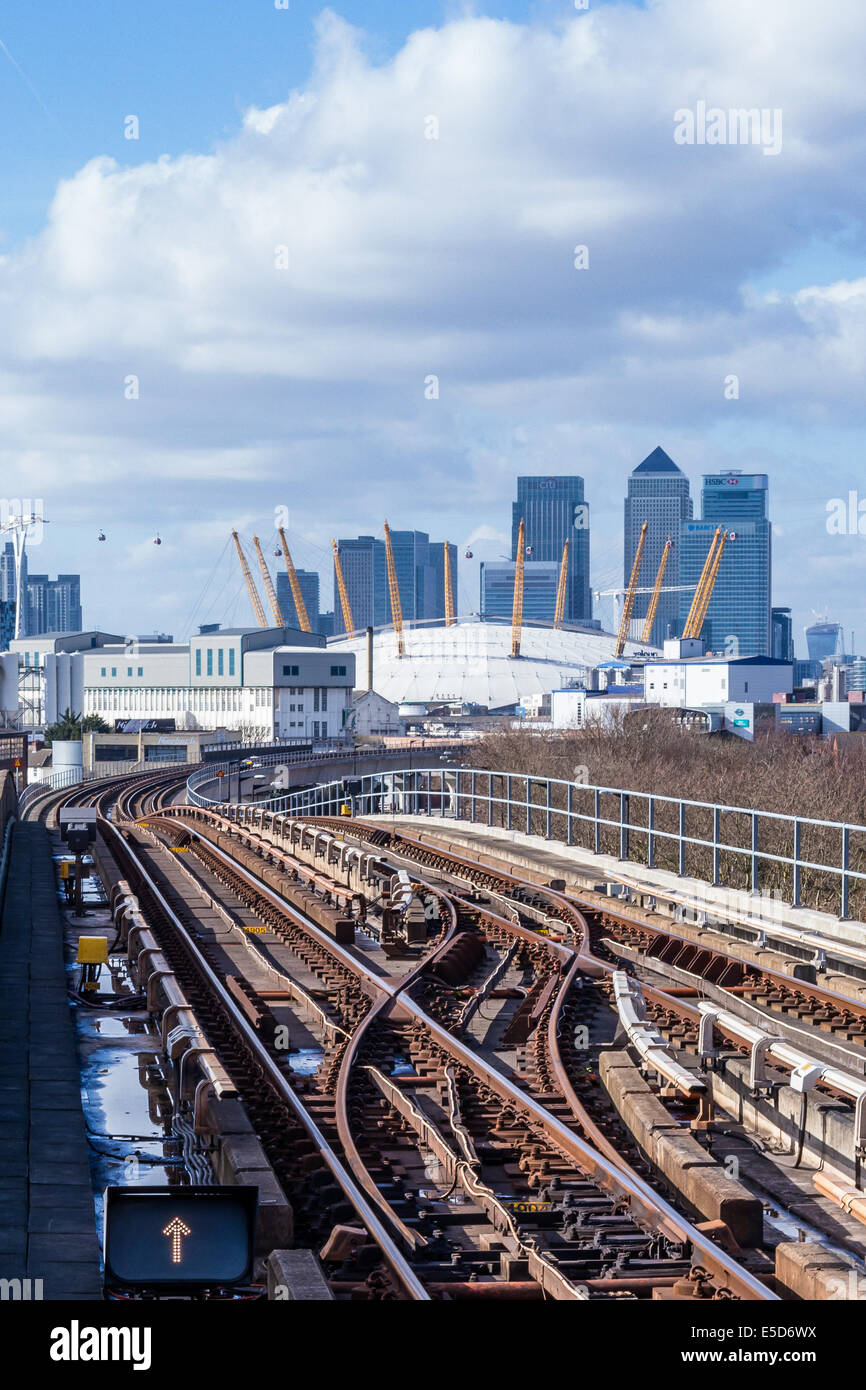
[
  {"x": 701, "y": 585},
  {"x": 559, "y": 612},
  {"x": 294, "y": 584},
  {"x": 657, "y": 588},
  {"x": 248, "y": 580},
  {"x": 348, "y": 620},
  {"x": 708, "y": 588},
  {"x": 628, "y": 604},
  {"x": 517, "y": 609},
  {"x": 449, "y": 591},
  {"x": 394, "y": 592},
  {"x": 269, "y": 586}
]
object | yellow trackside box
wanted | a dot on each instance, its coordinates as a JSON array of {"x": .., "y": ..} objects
[
  {"x": 92, "y": 950},
  {"x": 64, "y": 869}
]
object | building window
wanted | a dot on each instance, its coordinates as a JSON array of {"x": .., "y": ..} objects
[
  {"x": 103, "y": 671},
  {"x": 114, "y": 670},
  {"x": 198, "y": 661},
  {"x": 210, "y": 661},
  {"x": 129, "y": 670},
  {"x": 290, "y": 670},
  {"x": 324, "y": 697},
  {"x": 220, "y": 662},
  {"x": 141, "y": 670},
  {"x": 231, "y": 661},
  {"x": 338, "y": 670}
]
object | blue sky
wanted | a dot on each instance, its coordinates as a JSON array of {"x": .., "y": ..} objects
[
  {"x": 188, "y": 68},
  {"x": 408, "y": 257}
]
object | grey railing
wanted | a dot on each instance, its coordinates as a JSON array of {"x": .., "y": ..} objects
[
  {"x": 214, "y": 772},
  {"x": 730, "y": 846}
]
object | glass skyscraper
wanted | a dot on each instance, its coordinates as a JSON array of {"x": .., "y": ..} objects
[
  {"x": 738, "y": 621},
  {"x": 783, "y": 634},
  {"x": 437, "y": 565},
  {"x": 309, "y": 585},
  {"x": 53, "y": 605},
  {"x": 365, "y": 571},
  {"x": 658, "y": 493},
  {"x": 554, "y": 510},
  {"x": 540, "y": 581}
]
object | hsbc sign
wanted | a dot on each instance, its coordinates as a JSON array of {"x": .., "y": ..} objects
[{"x": 752, "y": 481}]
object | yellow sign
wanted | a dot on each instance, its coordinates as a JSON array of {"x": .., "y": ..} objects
[
  {"x": 180, "y": 849},
  {"x": 92, "y": 950}
]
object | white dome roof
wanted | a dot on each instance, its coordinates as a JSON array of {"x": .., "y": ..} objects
[{"x": 471, "y": 661}]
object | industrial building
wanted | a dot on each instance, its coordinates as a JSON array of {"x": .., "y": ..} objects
[
  {"x": 259, "y": 682},
  {"x": 687, "y": 678}
]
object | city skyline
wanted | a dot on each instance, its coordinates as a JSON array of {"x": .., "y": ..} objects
[
  {"x": 655, "y": 476},
  {"x": 711, "y": 310}
]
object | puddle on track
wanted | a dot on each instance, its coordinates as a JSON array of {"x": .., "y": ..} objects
[{"x": 305, "y": 1062}]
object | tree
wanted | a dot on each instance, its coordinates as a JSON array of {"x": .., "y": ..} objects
[{"x": 71, "y": 726}]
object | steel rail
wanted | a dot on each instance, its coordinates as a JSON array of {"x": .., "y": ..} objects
[
  {"x": 610, "y": 1176},
  {"x": 396, "y": 1262}
]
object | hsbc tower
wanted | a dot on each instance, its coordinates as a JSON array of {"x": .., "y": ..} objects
[{"x": 738, "y": 621}]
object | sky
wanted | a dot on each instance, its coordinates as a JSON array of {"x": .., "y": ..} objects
[{"x": 336, "y": 274}]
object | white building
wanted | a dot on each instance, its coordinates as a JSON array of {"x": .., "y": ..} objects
[
  {"x": 371, "y": 714},
  {"x": 258, "y": 682},
  {"x": 691, "y": 682},
  {"x": 573, "y": 709}
]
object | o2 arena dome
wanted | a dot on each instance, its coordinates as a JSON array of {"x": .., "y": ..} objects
[{"x": 471, "y": 661}]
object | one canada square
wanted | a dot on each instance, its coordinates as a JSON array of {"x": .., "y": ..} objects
[{"x": 658, "y": 493}]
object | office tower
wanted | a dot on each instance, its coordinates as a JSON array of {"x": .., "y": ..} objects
[
  {"x": 326, "y": 624},
  {"x": 365, "y": 572},
  {"x": 540, "y": 581},
  {"x": 553, "y": 510},
  {"x": 7, "y": 574},
  {"x": 7, "y": 622},
  {"x": 309, "y": 585},
  {"x": 823, "y": 640},
  {"x": 53, "y": 605},
  {"x": 783, "y": 634},
  {"x": 420, "y": 567},
  {"x": 738, "y": 618},
  {"x": 658, "y": 493},
  {"x": 436, "y": 608},
  {"x": 415, "y": 578},
  {"x": 857, "y": 674}
]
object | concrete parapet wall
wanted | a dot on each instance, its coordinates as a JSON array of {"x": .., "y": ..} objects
[{"x": 688, "y": 1167}]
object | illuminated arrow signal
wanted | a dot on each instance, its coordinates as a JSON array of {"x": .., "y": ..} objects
[{"x": 176, "y": 1230}]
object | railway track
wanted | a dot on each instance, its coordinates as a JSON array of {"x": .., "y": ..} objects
[{"x": 406, "y": 1025}]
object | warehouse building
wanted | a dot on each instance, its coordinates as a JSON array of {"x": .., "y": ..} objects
[{"x": 257, "y": 682}]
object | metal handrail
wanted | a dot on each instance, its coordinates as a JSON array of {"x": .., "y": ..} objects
[
  {"x": 470, "y": 794},
  {"x": 208, "y": 772}
]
